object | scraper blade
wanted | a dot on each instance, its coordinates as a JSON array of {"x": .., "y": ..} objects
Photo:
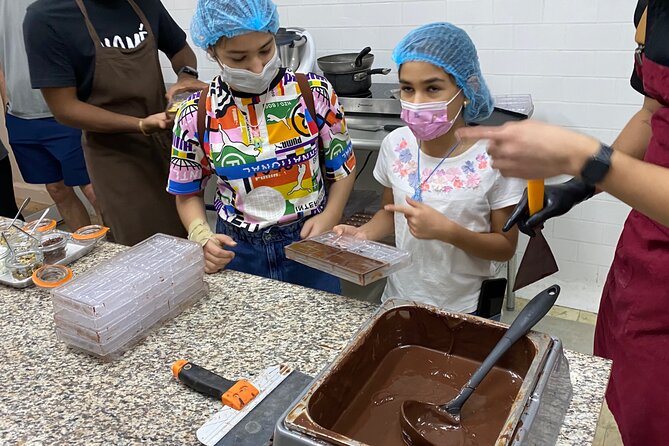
[{"x": 254, "y": 424}]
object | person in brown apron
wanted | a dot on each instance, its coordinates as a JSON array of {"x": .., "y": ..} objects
[
  {"x": 129, "y": 161},
  {"x": 633, "y": 319}
]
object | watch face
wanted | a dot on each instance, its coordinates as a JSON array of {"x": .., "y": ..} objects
[
  {"x": 596, "y": 168},
  {"x": 189, "y": 70}
]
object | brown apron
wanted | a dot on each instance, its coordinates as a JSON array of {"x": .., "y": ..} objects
[{"x": 129, "y": 170}]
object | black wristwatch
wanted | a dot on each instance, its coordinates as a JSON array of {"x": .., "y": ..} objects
[
  {"x": 598, "y": 166},
  {"x": 188, "y": 70}
]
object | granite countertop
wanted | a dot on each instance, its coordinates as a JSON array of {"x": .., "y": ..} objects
[{"x": 53, "y": 395}]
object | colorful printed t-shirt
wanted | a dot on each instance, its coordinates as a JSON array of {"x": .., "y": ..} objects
[
  {"x": 465, "y": 188},
  {"x": 265, "y": 153}
]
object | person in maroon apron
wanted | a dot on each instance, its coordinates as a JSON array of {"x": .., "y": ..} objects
[
  {"x": 119, "y": 101},
  {"x": 633, "y": 321}
]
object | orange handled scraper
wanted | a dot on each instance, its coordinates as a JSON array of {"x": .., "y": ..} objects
[
  {"x": 538, "y": 260},
  {"x": 233, "y": 394},
  {"x": 535, "y": 195}
]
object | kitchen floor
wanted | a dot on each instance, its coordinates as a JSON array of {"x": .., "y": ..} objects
[{"x": 574, "y": 327}]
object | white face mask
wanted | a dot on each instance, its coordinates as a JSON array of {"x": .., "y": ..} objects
[{"x": 249, "y": 82}]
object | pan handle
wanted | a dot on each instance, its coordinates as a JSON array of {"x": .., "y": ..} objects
[
  {"x": 383, "y": 71},
  {"x": 363, "y": 74},
  {"x": 359, "y": 77},
  {"x": 358, "y": 60}
]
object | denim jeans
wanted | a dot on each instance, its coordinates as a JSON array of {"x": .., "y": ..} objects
[{"x": 262, "y": 253}]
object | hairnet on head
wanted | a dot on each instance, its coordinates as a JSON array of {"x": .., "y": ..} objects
[
  {"x": 214, "y": 19},
  {"x": 449, "y": 48}
]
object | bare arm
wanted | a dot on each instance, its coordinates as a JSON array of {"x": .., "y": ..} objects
[
  {"x": 337, "y": 197},
  {"x": 194, "y": 218},
  {"x": 533, "y": 149},
  {"x": 383, "y": 223},
  {"x": 185, "y": 82},
  {"x": 427, "y": 223},
  {"x": 634, "y": 138},
  {"x": 190, "y": 208},
  {"x": 70, "y": 111},
  {"x": 3, "y": 89},
  {"x": 642, "y": 185},
  {"x": 494, "y": 245}
]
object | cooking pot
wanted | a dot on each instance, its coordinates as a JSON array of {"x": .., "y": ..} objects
[
  {"x": 346, "y": 62},
  {"x": 350, "y": 73},
  {"x": 354, "y": 83}
]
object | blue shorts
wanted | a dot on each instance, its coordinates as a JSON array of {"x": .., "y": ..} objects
[
  {"x": 47, "y": 152},
  {"x": 262, "y": 253}
]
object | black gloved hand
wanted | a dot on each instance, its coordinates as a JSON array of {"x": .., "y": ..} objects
[{"x": 558, "y": 200}]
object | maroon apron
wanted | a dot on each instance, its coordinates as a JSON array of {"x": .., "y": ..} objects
[
  {"x": 633, "y": 322},
  {"x": 129, "y": 170}
]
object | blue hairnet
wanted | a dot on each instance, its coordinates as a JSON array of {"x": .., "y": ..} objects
[
  {"x": 214, "y": 19},
  {"x": 449, "y": 48}
]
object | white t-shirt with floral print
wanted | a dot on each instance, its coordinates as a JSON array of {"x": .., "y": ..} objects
[{"x": 465, "y": 188}]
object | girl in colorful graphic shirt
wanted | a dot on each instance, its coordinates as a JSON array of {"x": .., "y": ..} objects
[
  {"x": 263, "y": 144},
  {"x": 444, "y": 202}
]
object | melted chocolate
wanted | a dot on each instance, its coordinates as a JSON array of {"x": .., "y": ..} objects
[
  {"x": 413, "y": 353},
  {"x": 431, "y": 376}
]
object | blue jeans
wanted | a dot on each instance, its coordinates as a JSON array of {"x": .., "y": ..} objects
[{"x": 262, "y": 253}]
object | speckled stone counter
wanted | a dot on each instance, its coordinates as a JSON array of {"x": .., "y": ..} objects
[{"x": 52, "y": 395}]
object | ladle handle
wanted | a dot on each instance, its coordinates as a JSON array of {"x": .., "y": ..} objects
[{"x": 533, "y": 312}]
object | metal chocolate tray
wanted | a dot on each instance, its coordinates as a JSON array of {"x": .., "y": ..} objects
[{"x": 535, "y": 417}]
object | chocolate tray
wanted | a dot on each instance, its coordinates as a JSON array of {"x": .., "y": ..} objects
[{"x": 354, "y": 260}]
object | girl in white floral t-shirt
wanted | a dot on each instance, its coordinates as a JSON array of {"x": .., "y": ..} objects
[{"x": 442, "y": 198}]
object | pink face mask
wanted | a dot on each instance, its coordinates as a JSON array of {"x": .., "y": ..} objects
[{"x": 429, "y": 120}]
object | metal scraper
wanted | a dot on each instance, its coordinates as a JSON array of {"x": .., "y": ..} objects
[{"x": 253, "y": 425}]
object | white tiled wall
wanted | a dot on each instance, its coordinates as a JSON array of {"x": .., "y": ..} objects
[{"x": 573, "y": 56}]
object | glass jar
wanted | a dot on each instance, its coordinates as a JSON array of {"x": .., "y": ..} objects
[
  {"x": 22, "y": 243},
  {"x": 89, "y": 235},
  {"x": 22, "y": 265},
  {"x": 54, "y": 246},
  {"x": 8, "y": 230},
  {"x": 4, "y": 253},
  {"x": 45, "y": 226},
  {"x": 52, "y": 276},
  {"x": 5, "y": 223}
]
